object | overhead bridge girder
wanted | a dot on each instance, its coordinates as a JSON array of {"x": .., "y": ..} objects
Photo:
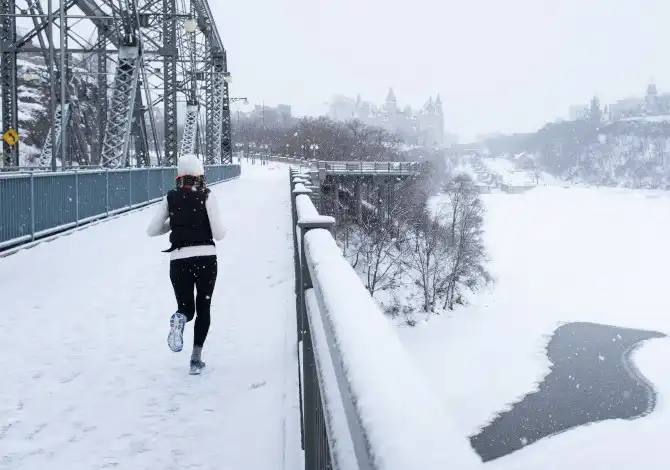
[
  {"x": 53, "y": 145},
  {"x": 111, "y": 153},
  {"x": 215, "y": 93},
  {"x": 121, "y": 108},
  {"x": 189, "y": 137},
  {"x": 152, "y": 58}
]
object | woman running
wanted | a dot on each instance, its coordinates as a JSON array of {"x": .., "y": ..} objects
[{"x": 191, "y": 215}]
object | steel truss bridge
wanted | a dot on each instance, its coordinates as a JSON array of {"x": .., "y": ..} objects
[{"x": 140, "y": 56}]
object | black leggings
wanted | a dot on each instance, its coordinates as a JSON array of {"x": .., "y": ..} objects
[{"x": 185, "y": 274}]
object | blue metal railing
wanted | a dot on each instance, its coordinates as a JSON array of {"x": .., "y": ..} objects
[{"x": 35, "y": 204}]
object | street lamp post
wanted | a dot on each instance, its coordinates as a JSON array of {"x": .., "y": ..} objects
[
  {"x": 267, "y": 154},
  {"x": 237, "y": 129},
  {"x": 314, "y": 148}
]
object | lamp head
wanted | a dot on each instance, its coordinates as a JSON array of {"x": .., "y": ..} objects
[{"x": 190, "y": 25}]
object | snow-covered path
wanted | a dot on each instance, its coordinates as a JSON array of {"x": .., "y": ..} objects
[{"x": 87, "y": 378}]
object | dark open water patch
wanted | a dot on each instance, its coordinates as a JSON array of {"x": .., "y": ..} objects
[{"x": 592, "y": 379}]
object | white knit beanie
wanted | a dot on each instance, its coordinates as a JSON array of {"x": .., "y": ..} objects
[{"x": 189, "y": 165}]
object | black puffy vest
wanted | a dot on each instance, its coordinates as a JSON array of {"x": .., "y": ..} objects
[{"x": 189, "y": 222}]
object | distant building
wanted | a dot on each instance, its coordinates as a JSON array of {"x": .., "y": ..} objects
[
  {"x": 627, "y": 107},
  {"x": 578, "y": 112},
  {"x": 425, "y": 127},
  {"x": 285, "y": 116},
  {"x": 652, "y": 103},
  {"x": 268, "y": 116}
]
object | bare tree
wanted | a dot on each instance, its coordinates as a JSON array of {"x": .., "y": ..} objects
[
  {"x": 438, "y": 248},
  {"x": 372, "y": 244},
  {"x": 445, "y": 250},
  {"x": 466, "y": 249},
  {"x": 537, "y": 171},
  {"x": 336, "y": 141},
  {"x": 427, "y": 257},
  {"x": 376, "y": 252}
]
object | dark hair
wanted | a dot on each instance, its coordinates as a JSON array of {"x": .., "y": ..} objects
[{"x": 197, "y": 182}]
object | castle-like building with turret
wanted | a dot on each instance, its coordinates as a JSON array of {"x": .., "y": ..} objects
[
  {"x": 652, "y": 103},
  {"x": 424, "y": 127}
]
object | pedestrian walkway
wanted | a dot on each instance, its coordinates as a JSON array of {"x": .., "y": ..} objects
[{"x": 88, "y": 381}]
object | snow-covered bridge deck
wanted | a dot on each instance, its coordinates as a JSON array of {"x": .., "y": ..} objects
[{"x": 88, "y": 380}]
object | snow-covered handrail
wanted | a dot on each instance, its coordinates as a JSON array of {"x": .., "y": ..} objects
[
  {"x": 369, "y": 167},
  {"x": 365, "y": 405},
  {"x": 353, "y": 167},
  {"x": 280, "y": 159}
]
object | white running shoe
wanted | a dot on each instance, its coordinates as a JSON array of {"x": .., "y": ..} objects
[{"x": 176, "y": 337}]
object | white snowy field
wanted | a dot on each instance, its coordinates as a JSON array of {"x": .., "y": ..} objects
[
  {"x": 509, "y": 174},
  {"x": 559, "y": 255},
  {"x": 88, "y": 380}
]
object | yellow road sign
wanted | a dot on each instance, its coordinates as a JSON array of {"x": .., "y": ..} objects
[{"x": 10, "y": 136}]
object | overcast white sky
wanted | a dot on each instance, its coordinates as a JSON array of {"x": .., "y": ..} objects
[{"x": 500, "y": 65}]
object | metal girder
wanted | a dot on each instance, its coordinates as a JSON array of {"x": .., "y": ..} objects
[
  {"x": 215, "y": 90},
  {"x": 26, "y": 38},
  {"x": 35, "y": 8},
  {"x": 52, "y": 144},
  {"x": 79, "y": 145},
  {"x": 206, "y": 23},
  {"x": 139, "y": 129},
  {"x": 78, "y": 142},
  {"x": 189, "y": 137},
  {"x": 170, "y": 81},
  {"x": 226, "y": 134},
  {"x": 121, "y": 119},
  {"x": 189, "y": 46},
  {"x": 218, "y": 145},
  {"x": 101, "y": 94},
  {"x": 61, "y": 80},
  {"x": 122, "y": 107},
  {"x": 8, "y": 81}
]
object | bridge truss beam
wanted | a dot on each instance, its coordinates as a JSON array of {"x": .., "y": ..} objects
[{"x": 109, "y": 67}]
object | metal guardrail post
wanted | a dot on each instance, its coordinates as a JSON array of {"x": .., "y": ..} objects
[
  {"x": 107, "y": 192},
  {"x": 315, "y": 196},
  {"x": 317, "y": 455},
  {"x": 32, "y": 205},
  {"x": 130, "y": 188},
  {"x": 76, "y": 198}
]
